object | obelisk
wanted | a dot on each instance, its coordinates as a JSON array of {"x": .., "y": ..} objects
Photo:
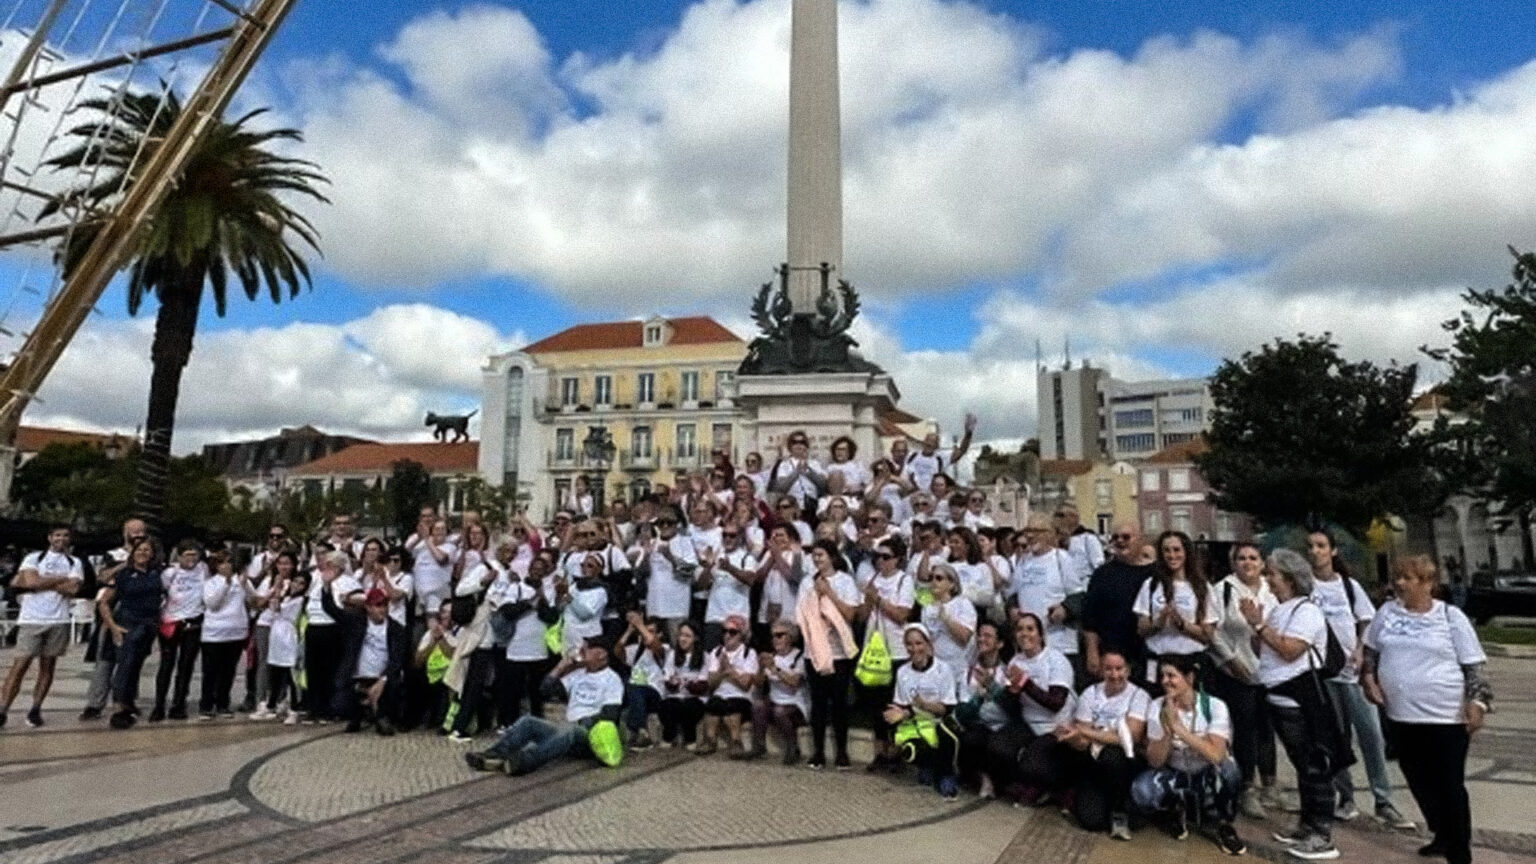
[{"x": 815, "y": 151}]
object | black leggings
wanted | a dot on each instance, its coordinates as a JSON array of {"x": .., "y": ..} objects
[
  {"x": 280, "y": 683},
  {"x": 1102, "y": 786},
  {"x": 516, "y": 681},
  {"x": 1253, "y": 738},
  {"x": 1433, "y": 757},
  {"x": 680, "y": 717},
  {"x": 829, "y": 699},
  {"x": 481, "y": 664},
  {"x": 220, "y": 661},
  {"x": 178, "y": 659}
]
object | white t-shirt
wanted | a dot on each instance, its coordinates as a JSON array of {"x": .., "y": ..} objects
[
  {"x": 921, "y": 469},
  {"x": 776, "y": 592},
  {"x": 975, "y": 583},
  {"x": 1296, "y": 618},
  {"x": 283, "y": 640},
  {"x": 1180, "y": 756},
  {"x": 404, "y": 583},
  {"x": 1332, "y": 597},
  {"x": 1102, "y": 711},
  {"x": 666, "y": 595},
  {"x": 225, "y": 618},
  {"x": 373, "y": 659},
  {"x": 1050, "y": 668},
  {"x": 780, "y": 693},
  {"x": 1421, "y": 658},
  {"x": 1043, "y": 581},
  {"x": 433, "y": 579},
  {"x": 846, "y": 590},
  {"x": 590, "y": 692},
  {"x": 644, "y": 669},
  {"x": 1233, "y": 640},
  {"x": 682, "y": 674},
  {"x": 897, "y": 589},
  {"x": 803, "y": 489},
  {"x": 954, "y": 654},
  {"x": 312, "y": 607},
  {"x": 934, "y": 684},
  {"x": 1087, "y": 553},
  {"x": 727, "y": 594},
  {"x": 855, "y": 475},
  {"x": 183, "y": 591},
  {"x": 1166, "y": 640},
  {"x": 527, "y": 642},
  {"x": 742, "y": 660},
  {"x": 583, "y": 616},
  {"x": 49, "y": 607}
]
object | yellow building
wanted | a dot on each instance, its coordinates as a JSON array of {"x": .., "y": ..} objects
[
  {"x": 1103, "y": 491},
  {"x": 659, "y": 390}
]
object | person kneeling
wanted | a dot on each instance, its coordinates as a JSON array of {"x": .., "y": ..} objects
[
  {"x": 923, "y": 700},
  {"x": 375, "y": 648},
  {"x": 593, "y": 692},
  {"x": 1193, "y": 772}
]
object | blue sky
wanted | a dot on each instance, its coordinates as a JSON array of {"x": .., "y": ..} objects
[{"x": 1162, "y": 184}]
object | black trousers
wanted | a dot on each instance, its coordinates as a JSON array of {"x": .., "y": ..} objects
[
  {"x": 1433, "y": 757},
  {"x": 322, "y": 658},
  {"x": 1043, "y": 763},
  {"x": 1102, "y": 785},
  {"x": 178, "y": 659},
  {"x": 357, "y": 692},
  {"x": 680, "y": 719},
  {"x": 518, "y": 681},
  {"x": 1003, "y": 750},
  {"x": 1253, "y": 737},
  {"x": 220, "y": 663},
  {"x": 875, "y": 700},
  {"x": 482, "y": 663},
  {"x": 1314, "y": 781},
  {"x": 829, "y": 701}
]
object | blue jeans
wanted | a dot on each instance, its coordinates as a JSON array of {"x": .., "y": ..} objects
[
  {"x": 131, "y": 655},
  {"x": 639, "y": 701},
  {"x": 1366, "y": 723},
  {"x": 537, "y": 742}
]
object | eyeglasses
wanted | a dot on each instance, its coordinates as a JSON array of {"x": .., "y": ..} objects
[{"x": 978, "y": 500}]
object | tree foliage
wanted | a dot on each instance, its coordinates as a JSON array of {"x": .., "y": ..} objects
[
  {"x": 1491, "y": 447},
  {"x": 410, "y": 488},
  {"x": 1298, "y": 434}
]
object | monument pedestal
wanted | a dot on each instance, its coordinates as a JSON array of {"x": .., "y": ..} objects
[{"x": 827, "y": 405}]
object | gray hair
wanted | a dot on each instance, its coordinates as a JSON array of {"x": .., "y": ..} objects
[
  {"x": 338, "y": 559},
  {"x": 1294, "y": 568}
]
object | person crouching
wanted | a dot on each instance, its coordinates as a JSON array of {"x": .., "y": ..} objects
[
  {"x": 593, "y": 692},
  {"x": 375, "y": 647}
]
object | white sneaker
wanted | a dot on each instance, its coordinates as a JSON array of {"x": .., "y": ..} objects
[
  {"x": 261, "y": 714},
  {"x": 1120, "y": 827},
  {"x": 291, "y": 719},
  {"x": 1314, "y": 848},
  {"x": 460, "y": 739}
]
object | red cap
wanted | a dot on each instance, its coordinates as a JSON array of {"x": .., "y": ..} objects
[{"x": 376, "y": 597}]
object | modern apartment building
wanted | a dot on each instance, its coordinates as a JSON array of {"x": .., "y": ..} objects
[{"x": 1087, "y": 414}]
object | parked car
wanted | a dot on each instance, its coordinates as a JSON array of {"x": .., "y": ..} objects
[{"x": 1501, "y": 592}]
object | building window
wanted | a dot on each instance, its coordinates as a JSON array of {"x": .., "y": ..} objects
[
  {"x": 720, "y": 439},
  {"x": 1152, "y": 521},
  {"x": 570, "y": 391},
  {"x": 1137, "y": 417},
  {"x": 1172, "y": 438},
  {"x": 565, "y": 445},
  {"x": 654, "y": 335},
  {"x": 723, "y": 382},
  {"x": 1178, "y": 479},
  {"x": 562, "y": 491},
  {"x": 1104, "y": 494},
  {"x": 1189, "y": 415},
  {"x": 687, "y": 441},
  {"x": 690, "y": 386},
  {"x": 645, "y": 388},
  {"x": 640, "y": 442},
  {"x": 639, "y": 488},
  {"x": 602, "y": 390},
  {"x": 1179, "y": 519},
  {"x": 1150, "y": 481},
  {"x": 1137, "y": 443}
]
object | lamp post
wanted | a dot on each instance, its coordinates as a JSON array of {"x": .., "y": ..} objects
[{"x": 599, "y": 449}]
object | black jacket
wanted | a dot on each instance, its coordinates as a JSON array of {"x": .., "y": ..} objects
[{"x": 354, "y": 626}]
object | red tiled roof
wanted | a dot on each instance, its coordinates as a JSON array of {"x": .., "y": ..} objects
[
  {"x": 698, "y": 330},
  {"x": 32, "y": 439},
  {"x": 1065, "y": 467},
  {"x": 896, "y": 415},
  {"x": 378, "y": 458},
  {"x": 1179, "y": 454},
  {"x": 1430, "y": 400}
]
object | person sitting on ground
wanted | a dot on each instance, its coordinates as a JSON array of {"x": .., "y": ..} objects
[
  {"x": 593, "y": 691},
  {"x": 1110, "y": 719},
  {"x": 924, "y": 696},
  {"x": 645, "y": 652},
  {"x": 374, "y": 652},
  {"x": 1192, "y": 774}
]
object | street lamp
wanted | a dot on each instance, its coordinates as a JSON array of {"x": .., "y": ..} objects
[{"x": 599, "y": 449}]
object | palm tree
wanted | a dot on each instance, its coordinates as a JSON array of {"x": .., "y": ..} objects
[{"x": 223, "y": 214}]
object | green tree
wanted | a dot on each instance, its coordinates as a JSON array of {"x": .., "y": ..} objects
[
  {"x": 75, "y": 483},
  {"x": 1491, "y": 448},
  {"x": 225, "y": 213},
  {"x": 410, "y": 488},
  {"x": 1298, "y": 434}
]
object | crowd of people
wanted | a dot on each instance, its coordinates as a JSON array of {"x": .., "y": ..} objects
[{"x": 724, "y": 614}]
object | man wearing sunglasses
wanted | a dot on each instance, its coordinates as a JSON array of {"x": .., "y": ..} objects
[
  {"x": 1109, "y": 623},
  {"x": 797, "y": 474}
]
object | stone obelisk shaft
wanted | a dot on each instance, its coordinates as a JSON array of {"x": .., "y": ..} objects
[{"x": 815, "y": 151}]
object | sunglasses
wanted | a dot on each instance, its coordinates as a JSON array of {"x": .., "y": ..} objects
[
  {"x": 794, "y": 441},
  {"x": 781, "y": 635},
  {"x": 1125, "y": 537},
  {"x": 886, "y": 556},
  {"x": 786, "y": 506},
  {"x": 276, "y": 535},
  {"x": 666, "y": 523},
  {"x": 732, "y": 632},
  {"x": 730, "y": 535}
]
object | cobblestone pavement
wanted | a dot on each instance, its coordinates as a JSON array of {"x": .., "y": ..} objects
[{"x": 248, "y": 793}]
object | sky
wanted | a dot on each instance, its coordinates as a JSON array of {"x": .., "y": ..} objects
[{"x": 1157, "y": 185}]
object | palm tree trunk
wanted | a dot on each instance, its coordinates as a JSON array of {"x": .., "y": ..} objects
[{"x": 175, "y": 325}]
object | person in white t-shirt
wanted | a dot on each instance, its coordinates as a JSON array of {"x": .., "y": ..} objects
[
  {"x": 1293, "y": 639},
  {"x": 1043, "y": 578},
  {"x": 1424, "y": 665},
  {"x": 1082, "y": 545},
  {"x": 1349, "y": 610},
  {"x": 888, "y": 602},
  {"x": 789, "y": 697},
  {"x": 285, "y": 602},
  {"x": 1192, "y": 775},
  {"x": 593, "y": 692},
  {"x": 670, "y": 565},
  {"x": 645, "y": 653},
  {"x": 732, "y": 669},
  {"x": 1108, "y": 723},
  {"x": 1175, "y": 613},
  {"x": 797, "y": 474},
  {"x": 727, "y": 574},
  {"x": 1235, "y": 680},
  {"x": 921, "y": 467},
  {"x": 180, "y": 631},
  {"x": 685, "y": 684},
  {"x": 226, "y": 626},
  {"x": 1039, "y": 683},
  {"x": 47, "y": 581},
  {"x": 923, "y": 698},
  {"x": 433, "y": 558}
]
